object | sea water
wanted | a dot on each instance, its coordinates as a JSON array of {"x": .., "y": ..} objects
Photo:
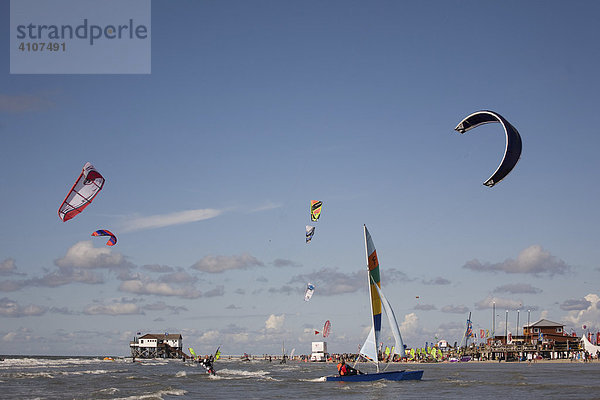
[{"x": 94, "y": 378}]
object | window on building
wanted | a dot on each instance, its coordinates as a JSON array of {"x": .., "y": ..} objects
[
  {"x": 536, "y": 330},
  {"x": 558, "y": 330}
]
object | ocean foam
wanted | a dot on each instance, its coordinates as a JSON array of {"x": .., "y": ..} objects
[{"x": 155, "y": 395}]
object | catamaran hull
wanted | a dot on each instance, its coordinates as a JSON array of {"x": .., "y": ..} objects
[{"x": 391, "y": 376}]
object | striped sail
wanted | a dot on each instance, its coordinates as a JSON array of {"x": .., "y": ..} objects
[{"x": 373, "y": 266}]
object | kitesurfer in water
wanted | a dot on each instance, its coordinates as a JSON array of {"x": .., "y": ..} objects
[{"x": 207, "y": 363}]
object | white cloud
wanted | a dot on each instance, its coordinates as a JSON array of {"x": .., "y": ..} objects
[
  {"x": 275, "y": 322},
  {"x": 509, "y": 304},
  {"x": 239, "y": 337},
  {"x": 410, "y": 324},
  {"x": 216, "y": 292},
  {"x": 11, "y": 286},
  {"x": 162, "y": 306},
  {"x": 589, "y": 316},
  {"x": 10, "y": 337},
  {"x": 532, "y": 260},
  {"x": 20, "y": 335},
  {"x": 62, "y": 310},
  {"x": 436, "y": 281},
  {"x": 158, "y": 268},
  {"x": 65, "y": 276},
  {"x": 575, "y": 304},
  {"x": 146, "y": 286},
  {"x": 60, "y": 277},
  {"x": 8, "y": 267},
  {"x": 175, "y": 218},
  {"x": 331, "y": 282},
  {"x": 114, "y": 308},
  {"x": 217, "y": 264},
  {"x": 517, "y": 288},
  {"x": 211, "y": 336},
  {"x": 76, "y": 266},
  {"x": 85, "y": 255},
  {"x": 455, "y": 309},
  {"x": 10, "y": 308},
  {"x": 178, "y": 277}
]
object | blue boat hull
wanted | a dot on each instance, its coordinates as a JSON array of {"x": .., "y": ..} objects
[{"x": 391, "y": 376}]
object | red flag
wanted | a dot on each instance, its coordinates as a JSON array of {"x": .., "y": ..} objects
[{"x": 317, "y": 332}]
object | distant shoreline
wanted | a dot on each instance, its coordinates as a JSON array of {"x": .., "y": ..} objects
[{"x": 277, "y": 357}]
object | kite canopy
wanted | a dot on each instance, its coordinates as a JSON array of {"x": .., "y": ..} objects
[
  {"x": 315, "y": 209},
  {"x": 326, "y": 328},
  {"x": 310, "y": 231},
  {"x": 512, "y": 151},
  {"x": 103, "y": 232},
  {"x": 310, "y": 289},
  {"x": 82, "y": 193}
]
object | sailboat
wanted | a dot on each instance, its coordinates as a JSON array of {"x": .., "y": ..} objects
[
  {"x": 283, "y": 356},
  {"x": 369, "y": 348},
  {"x": 468, "y": 333}
]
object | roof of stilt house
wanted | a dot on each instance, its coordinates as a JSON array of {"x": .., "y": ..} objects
[
  {"x": 162, "y": 336},
  {"x": 544, "y": 323}
]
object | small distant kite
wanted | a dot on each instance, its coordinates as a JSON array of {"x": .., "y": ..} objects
[
  {"x": 416, "y": 297},
  {"x": 326, "y": 328},
  {"x": 310, "y": 231},
  {"x": 512, "y": 151},
  {"x": 315, "y": 209},
  {"x": 310, "y": 289},
  {"x": 82, "y": 193},
  {"x": 103, "y": 232}
]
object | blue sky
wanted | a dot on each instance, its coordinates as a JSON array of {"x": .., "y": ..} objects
[{"x": 252, "y": 109}]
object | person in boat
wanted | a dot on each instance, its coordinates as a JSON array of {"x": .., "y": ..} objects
[{"x": 345, "y": 370}]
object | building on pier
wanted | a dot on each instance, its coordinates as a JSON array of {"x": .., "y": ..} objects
[
  {"x": 545, "y": 330},
  {"x": 543, "y": 338},
  {"x": 153, "y": 345}
]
